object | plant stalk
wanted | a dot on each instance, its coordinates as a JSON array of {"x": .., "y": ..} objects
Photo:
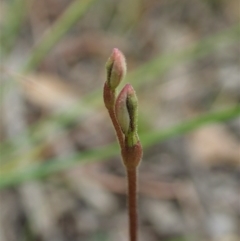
[
  {"x": 116, "y": 127},
  {"x": 132, "y": 204}
]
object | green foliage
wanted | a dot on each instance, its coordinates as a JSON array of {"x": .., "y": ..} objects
[{"x": 17, "y": 10}]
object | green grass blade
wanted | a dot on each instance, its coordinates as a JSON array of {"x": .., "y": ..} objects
[
  {"x": 12, "y": 24},
  {"x": 58, "y": 30},
  {"x": 158, "y": 66},
  {"x": 188, "y": 126}
]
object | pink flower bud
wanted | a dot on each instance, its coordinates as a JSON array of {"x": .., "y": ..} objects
[{"x": 116, "y": 68}]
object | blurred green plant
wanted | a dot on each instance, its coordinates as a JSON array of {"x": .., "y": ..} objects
[
  {"x": 16, "y": 13},
  {"x": 57, "y": 31}
]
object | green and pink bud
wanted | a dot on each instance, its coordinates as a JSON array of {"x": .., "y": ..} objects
[
  {"x": 116, "y": 69},
  {"x": 126, "y": 109}
]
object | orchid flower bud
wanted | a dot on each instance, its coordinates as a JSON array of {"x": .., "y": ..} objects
[
  {"x": 116, "y": 68},
  {"x": 126, "y": 113}
]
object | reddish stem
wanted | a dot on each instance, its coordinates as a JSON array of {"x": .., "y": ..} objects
[
  {"x": 117, "y": 127},
  {"x": 132, "y": 203},
  {"x": 109, "y": 101}
]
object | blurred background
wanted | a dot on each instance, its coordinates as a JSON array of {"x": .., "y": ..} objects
[{"x": 61, "y": 176}]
